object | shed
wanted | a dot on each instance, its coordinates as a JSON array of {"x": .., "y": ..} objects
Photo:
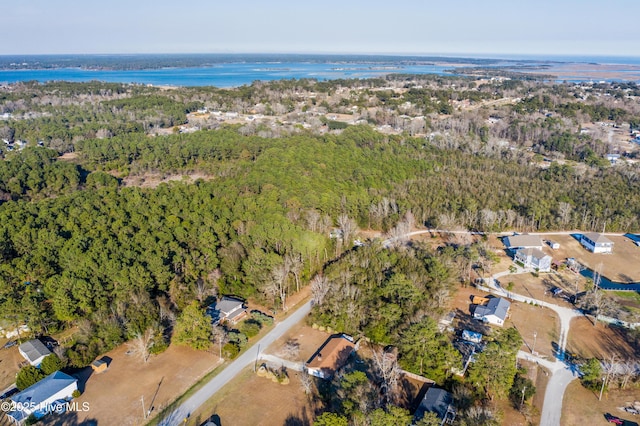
[{"x": 99, "y": 366}]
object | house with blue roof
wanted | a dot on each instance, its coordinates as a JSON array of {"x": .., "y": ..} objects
[{"x": 40, "y": 398}]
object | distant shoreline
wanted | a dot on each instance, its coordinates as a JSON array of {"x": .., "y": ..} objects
[
  {"x": 233, "y": 70},
  {"x": 158, "y": 61}
]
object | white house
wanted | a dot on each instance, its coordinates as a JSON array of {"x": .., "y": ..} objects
[
  {"x": 533, "y": 258},
  {"x": 34, "y": 351},
  {"x": 596, "y": 243},
  {"x": 523, "y": 241},
  {"x": 40, "y": 398},
  {"x": 494, "y": 312}
]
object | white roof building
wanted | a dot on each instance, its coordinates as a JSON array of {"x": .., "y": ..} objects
[{"x": 34, "y": 351}]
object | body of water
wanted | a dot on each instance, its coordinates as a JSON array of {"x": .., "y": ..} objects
[
  {"x": 237, "y": 70},
  {"x": 221, "y": 75}
]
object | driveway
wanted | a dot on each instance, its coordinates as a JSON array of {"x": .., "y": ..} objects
[{"x": 183, "y": 412}]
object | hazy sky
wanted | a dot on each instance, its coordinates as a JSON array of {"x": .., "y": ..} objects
[{"x": 580, "y": 27}]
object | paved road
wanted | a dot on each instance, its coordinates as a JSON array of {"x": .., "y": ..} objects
[
  {"x": 184, "y": 411},
  {"x": 561, "y": 373}
]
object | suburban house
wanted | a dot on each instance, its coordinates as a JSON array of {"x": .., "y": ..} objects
[
  {"x": 332, "y": 355},
  {"x": 523, "y": 241},
  {"x": 227, "y": 309},
  {"x": 533, "y": 258},
  {"x": 596, "y": 243},
  {"x": 34, "y": 351},
  {"x": 437, "y": 401},
  {"x": 494, "y": 312},
  {"x": 42, "y": 397}
]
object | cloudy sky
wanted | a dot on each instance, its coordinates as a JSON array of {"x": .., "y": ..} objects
[{"x": 506, "y": 27}]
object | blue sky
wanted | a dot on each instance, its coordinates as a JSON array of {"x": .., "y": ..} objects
[{"x": 521, "y": 27}]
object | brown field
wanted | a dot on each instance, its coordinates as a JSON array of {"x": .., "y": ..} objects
[
  {"x": 271, "y": 403},
  {"x": 308, "y": 338},
  {"x": 10, "y": 359},
  {"x": 540, "y": 287},
  {"x": 600, "y": 342},
  {"x": 250, "y": 400},
  {"x": 623, "y": 265},
  {"x": 542, "y": 322},
  {"x": 115, "y": 395},
  {"x": 581, "y": 406}
]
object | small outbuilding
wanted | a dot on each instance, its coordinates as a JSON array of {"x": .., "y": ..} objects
[
  {"x": 99, "y": 366},
  {"x": 471, "y": 336}
]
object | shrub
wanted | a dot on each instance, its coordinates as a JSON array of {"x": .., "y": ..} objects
[
  {"x": 238, "y": 338},
  {"x": 230, "y": 350},
  {"x": 262, "y": 318},
  {"x": 27, "y": 376},
  {"x": 250, "y": 328},
  {"x": 76, "y": 393},
  {"x": 50, "y": 364},
  {"x": 158, "y": 347}
]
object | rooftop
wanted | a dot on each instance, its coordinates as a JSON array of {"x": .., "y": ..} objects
[
  {"x": 33, "y": 350},
  {"x": 536, "y": 253},
  {"x": 597, "y": 238},
  {"x": 332, "y": 354},
  {"x": 44, "y": 389},
  {"x": 437, "y": 401},
  {"x": 523, "y": 240},
  {"x": 497, "y": 306}
]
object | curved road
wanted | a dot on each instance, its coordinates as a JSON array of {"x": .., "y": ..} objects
[
  {"x": 184, "y": 411},
  {"x": 561, "y": 373}
]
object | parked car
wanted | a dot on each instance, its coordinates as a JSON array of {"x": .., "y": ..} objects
[
  {"x": 10, "y": 344},
  {"x": 613, "y": 419},
  {"x": 9, "y": 393}
]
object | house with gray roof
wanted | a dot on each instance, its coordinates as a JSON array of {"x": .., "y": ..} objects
[
  {"x": 494, "y": 312},
  {"x": 437, "y": 401},
  {"x": 523, "y": 241},
  {"x": 42, "y": 397},
  {"x": 533, "y": 258},
  {"x": 34, "y": 351},
  {"x": 596, "y": 243},
  {"x": 227, "y": 309}
]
